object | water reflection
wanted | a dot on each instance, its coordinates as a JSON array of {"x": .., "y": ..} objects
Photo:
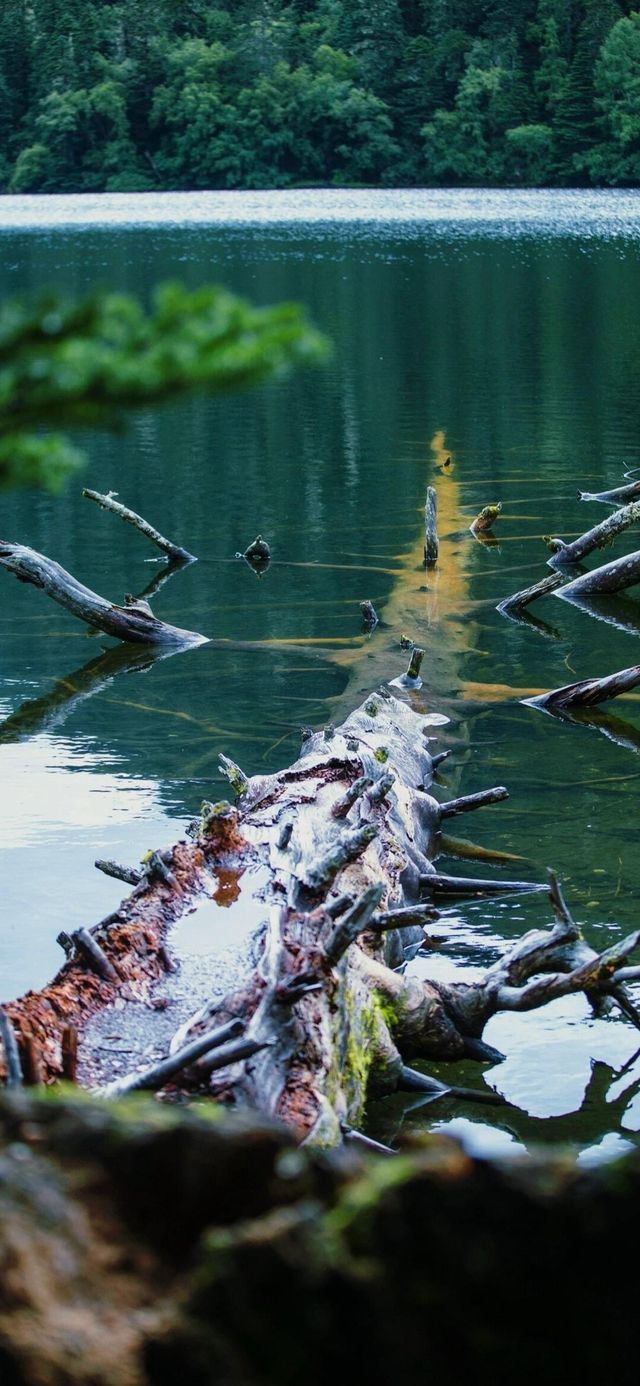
[{"x": 485, "y": 344}]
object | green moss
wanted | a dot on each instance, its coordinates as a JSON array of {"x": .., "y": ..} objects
[
  {"x": 356, "y": 1031},
  {"x": 371, "y": 708},
  {"x": 382, "y": 755}
]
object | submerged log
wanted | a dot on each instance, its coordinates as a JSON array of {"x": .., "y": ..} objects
[
  {"x": 588, "y": 692},
  {"x": 326, "y": 1020},
  {"x": 530, "y": 594},
  {"x": 620, "y": 495},
  {"x": 611, "y": 577},
  {"x": 125, "y": 623},
  {"x": 596, "y": 538}
]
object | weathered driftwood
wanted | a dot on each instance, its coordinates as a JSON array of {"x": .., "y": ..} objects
[
  {"x": 596, "y": 538},
  {"x": 588, "y": 692},
  {"x": 108, "y": 502},
  {"x": 130, "y": 623},
  {"x": 530, "y": 594},
  {"x": 620, "y": 495},
  {"x": 329, "y": 1018},
  {"x": 612, "y": 577},
  {"x": 431, "y": 546}
]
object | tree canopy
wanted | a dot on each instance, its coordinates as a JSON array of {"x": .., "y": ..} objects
[{"x": 185, "y": 94}]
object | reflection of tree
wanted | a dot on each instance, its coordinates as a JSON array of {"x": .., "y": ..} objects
[
  {"x": 47, "y": 713},
  {"x": 597, "y": 1116}
]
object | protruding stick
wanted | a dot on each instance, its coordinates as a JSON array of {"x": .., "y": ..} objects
[
  {"x": 438, "y": 884},
  {"x": 366, "y": 1142},
  {"x": 338, "y": 906},
  {"x": 32, "y": 1069},
  {"x": 129, "y": 874},
  {"x": 439, "y": 758},
  {"x": 294, "y": 988},
  {"x": 473, "y": 801},
  {"x": 348, "y": 847},
  {"x": 530, "y": 594},
  {"x": 69, "y": 1053},
  {"x": 94, "y": 956},
  {"x": 284, "y": 837},
  {"x": 369, "y": 615},
  {"x": 412, "y": 677},
  {"x": 619, "y": 496},
  {"x": 154, "y": 1077},
  {"x": 485, "y": 521},
  {"x": 405, "y": 917},
  {"x": 612, "y": 577},
  {"x": 430, "y": 529},
  {"x": 381, "y": 787},
  {"x": 108, "y": 502},
  {"x": 588, "y": 692},
  {"x": 236, "y": 777},
  {"x": 11, "y": 1052},
  {"x": 411, "y": 1080},
  {"x": 346, "y": 801},
  {"x": 353, "y": 923},
  {"x": 596, "y": 538},
  {"x": 156, "y": 869}
]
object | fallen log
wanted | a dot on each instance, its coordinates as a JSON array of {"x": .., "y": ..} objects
[
  {"x": 530, "y": 594},
  {"x": 596, "y": 538},
  {"x": 326, "y": 1018},
  {"x": 588, "y": 692},
  {"x": 134, "y": 623},
  {"x": 612, "y": 577}
]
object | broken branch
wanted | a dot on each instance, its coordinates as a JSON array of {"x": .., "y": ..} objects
[{"x": 108, "y": 502}]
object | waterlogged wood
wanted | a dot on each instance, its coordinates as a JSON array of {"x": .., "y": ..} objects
[
  {"x": 620, "y": 495},
  {"x": 612, "y": 577},
  {"x": 530, "y": 594},
  {"x": 327, "y": 1019},
  {"x": 124, "y": 623},
  {"x": 484, "y": 522},
  {"x": 596, "y": 538},
  {"x": 588, "y": 692},
  {"x": 108, "y": 502},
  {"x": 431, "y": 546}
]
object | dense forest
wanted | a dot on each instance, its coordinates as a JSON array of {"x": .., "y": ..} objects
[{"x": 124, "y": 95}]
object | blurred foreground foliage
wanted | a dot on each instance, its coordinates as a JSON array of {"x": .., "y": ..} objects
[{"x": 66, "y": 365}]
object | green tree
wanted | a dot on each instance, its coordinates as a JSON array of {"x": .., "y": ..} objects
[
  {"x": 65, "y": 365},
  {"x": 617, "y": 87}
]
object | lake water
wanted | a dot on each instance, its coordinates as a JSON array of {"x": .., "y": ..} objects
[{"x": 500, "y": 330}]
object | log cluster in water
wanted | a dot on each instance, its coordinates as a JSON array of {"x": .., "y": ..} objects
[{"x": 323, "y": 1014}]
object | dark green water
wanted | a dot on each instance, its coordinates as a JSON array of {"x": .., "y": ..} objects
[{"x": 516, "y": 355}]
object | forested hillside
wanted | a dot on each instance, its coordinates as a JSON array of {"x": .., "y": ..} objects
[{"x": 140, "y": 94}]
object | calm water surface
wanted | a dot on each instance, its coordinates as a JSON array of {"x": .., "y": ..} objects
[{"x": 500, "y": 330}]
